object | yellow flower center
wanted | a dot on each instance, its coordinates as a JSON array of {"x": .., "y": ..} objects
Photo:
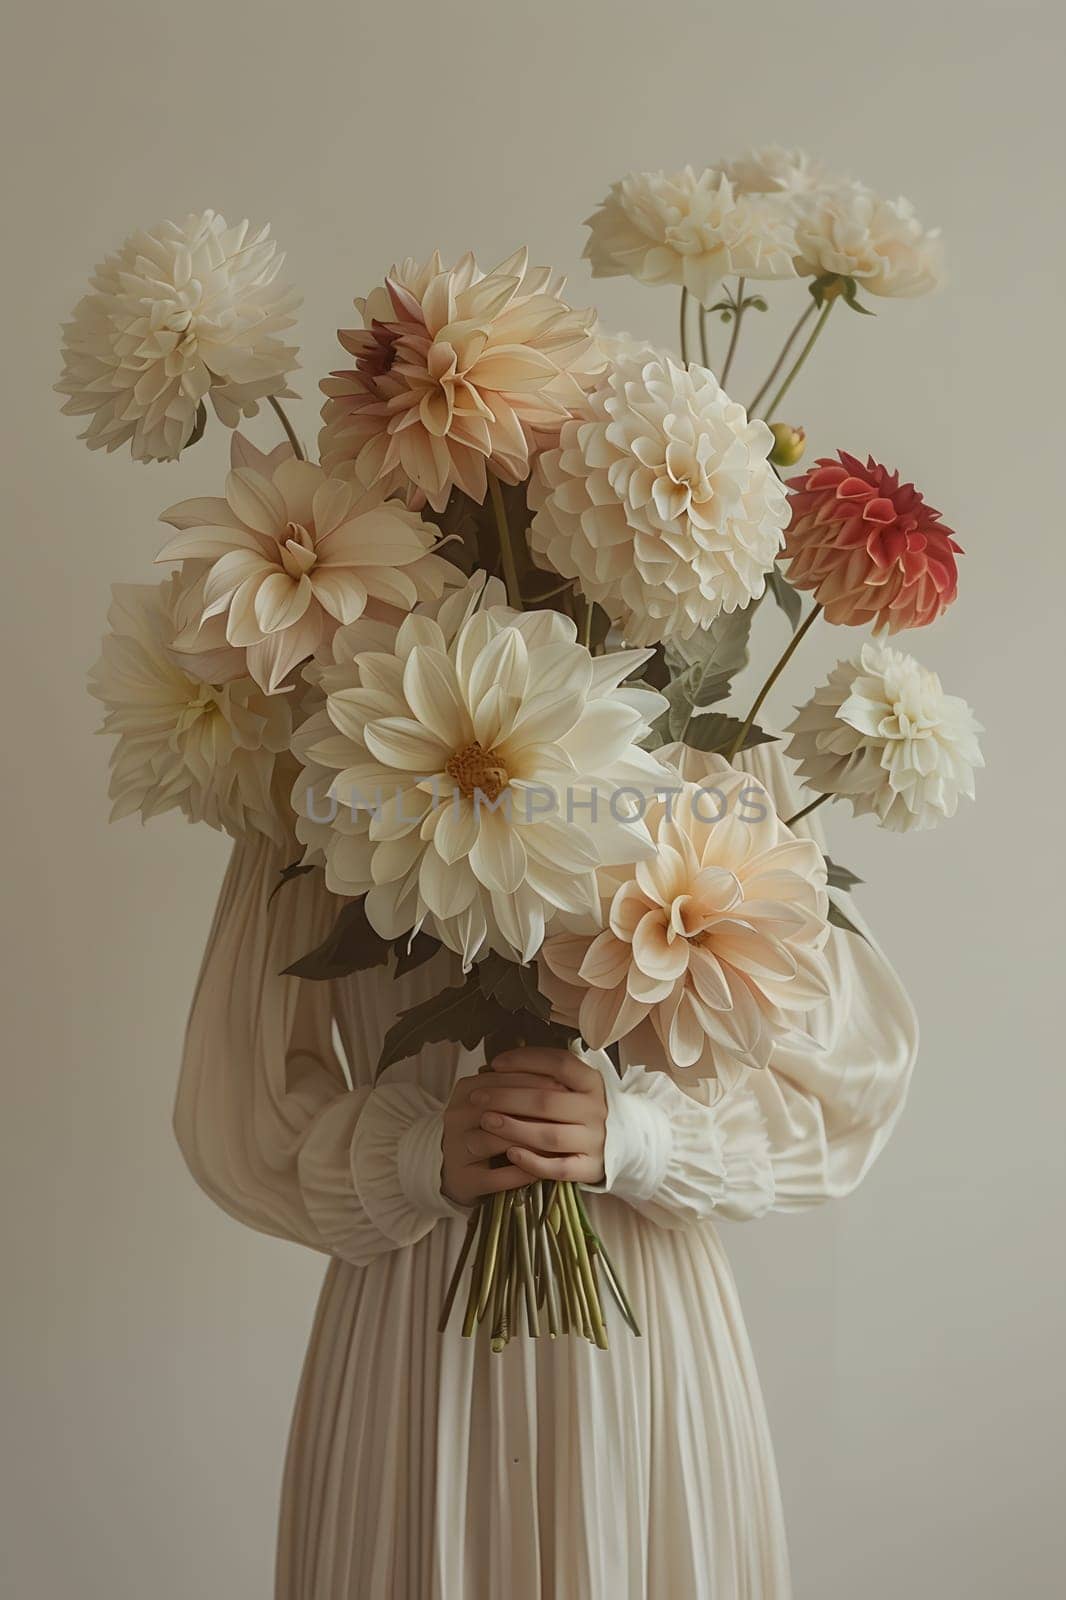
[{"x": 477, "y": 771}]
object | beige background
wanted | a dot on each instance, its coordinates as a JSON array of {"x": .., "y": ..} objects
[{"x": 910, "y": 1339}]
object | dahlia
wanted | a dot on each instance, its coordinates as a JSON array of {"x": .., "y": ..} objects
[
  {"x": 212, "y": 752},
  {"x": 483, "y": 769},
  {"x": 715, "y": 942},
  {"x": 845, "y": 228},
  {"x": 456, "y": 373},
  {"x": 659, "y": 500},
  {"x": 294, "y": 554},
  {"x": 689, "y": 228},
  {"x": 882, "y": 733},
  {"x": 869, "y": 547},
  {"x": 180, "y": 312},
  {"x": 775, "y": 170}
]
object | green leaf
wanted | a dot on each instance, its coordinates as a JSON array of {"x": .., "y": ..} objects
[
  {"x": 840, "y": 877},
  {"x": 839, "y": 920},
  {"x": 351, "y": 945},
  {"x": 412, "y": 953},
  {"x": 714, "y": 731},
  {"x": 757, "y": 303},
  {"x": 198, "y": 427},
  {"x": 295, "y": 869},
  {"x": 499, "y": 1003},
  {"x": 707, "y": 663},
  {"x": 850, "y": 292},
  {"x": 785, "y": 596},
  {"x": 513, "y": 986},
  {"x": 462, "y": 1015}
]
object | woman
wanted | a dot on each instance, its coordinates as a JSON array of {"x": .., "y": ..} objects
[{"x": 421, "y": 1466}]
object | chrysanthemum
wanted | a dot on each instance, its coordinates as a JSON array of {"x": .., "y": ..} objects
[
  {"x": 182, "y": 311},
  {"x": 209, "y": 751},
  {"x": 869, "y": 547},
  {"x": 457, "y": 372},
  {"x": 294, "y": 554},
  {"x": 772, "y": 169},
  {"x": 689, "y": 228},
  {"x": 480, "y": 768},
  {"x": 660, "y": 500},
  {"x": 882, "y": 733},
  {"x": 714, "y": 942},
  {"x": 845, "y": 228}
]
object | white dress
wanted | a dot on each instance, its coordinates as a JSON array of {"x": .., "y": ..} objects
[{"x": 422, "y": 1467}]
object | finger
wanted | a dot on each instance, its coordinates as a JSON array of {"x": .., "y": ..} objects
[
  {"x": 497, "y": 1179},
  {"x": 560, "y": 1169},
  {"x": 481, "y": 1145},
  {"x": 514, "y": 1080},
  {"x": 566, "y": 1138},
  {"x": 541, "y": 1105},
  {"x": 562, "y": 1065}
]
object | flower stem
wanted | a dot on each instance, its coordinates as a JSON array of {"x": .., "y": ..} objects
[
  {"x": 492, "y": 1245},
  {"x": 596, "y": 1248},
  {"x": 510, "y": 569},
  {"x": 801, "y": 323},
  {"x": 453, "y": 1287},
  {"x": 797, "y": 365},
  {"x": 735, "y": 335},
  {"x": 806, "y": 811},
  {"x": 586, "y": 626},
  {"x": 276, "y": 406},
  {"x": 684, "y": 332},
  {"x": 705, "y": 355},
  {"x": 786, "y": 657}
]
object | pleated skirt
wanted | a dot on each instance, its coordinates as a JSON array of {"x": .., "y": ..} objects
[{"x": 422, "y": 1467}]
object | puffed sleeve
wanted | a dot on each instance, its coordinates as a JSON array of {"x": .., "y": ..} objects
[
  {"x": 806, "y": 1128},
  {"x": 265, "y": 1117}
]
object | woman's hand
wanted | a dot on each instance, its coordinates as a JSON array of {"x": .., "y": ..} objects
[
  {"x": 546, "y": 1111},
  {"x": 466, "y": 1173}
]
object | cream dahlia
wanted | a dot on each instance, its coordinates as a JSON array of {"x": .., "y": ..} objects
[
  {"x": 715, "y": 942},
  {"x": 659, "y": 500},
  {"x": 294, "y": 554},
  {"x": 456, "y": 374},
  {"x": 882, "y": 733},
  {"x": 775, "y": 170},
  {"x": 180, "y": 312},
  {"x": 483, "y": 769},
  {"x": 845, "y": 228},
  {"x": 689, "y": 228},
  {"x": 212, "y": 752},
  {"x": 868, "y": 547}
]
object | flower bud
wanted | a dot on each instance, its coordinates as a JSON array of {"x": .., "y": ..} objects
[{"x": 789, "y": 444}]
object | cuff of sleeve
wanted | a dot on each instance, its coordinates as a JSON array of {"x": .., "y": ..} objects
[
  {"x": 396, "y": 1157},
  {"x": 639, "y": 1140},
  {"x": 418, "y": 1163}
]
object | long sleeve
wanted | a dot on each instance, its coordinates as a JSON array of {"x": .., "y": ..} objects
[
  {"x": 805, "y": 1129},
  {"x": 265, "y": 1118}
]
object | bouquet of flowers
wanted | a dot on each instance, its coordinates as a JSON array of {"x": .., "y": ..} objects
[{"x": 473, "y": 662}]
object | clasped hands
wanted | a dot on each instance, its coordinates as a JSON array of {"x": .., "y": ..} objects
[{"x": 537, "y": 1114}]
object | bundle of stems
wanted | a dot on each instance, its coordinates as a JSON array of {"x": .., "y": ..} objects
[{"x": 538, "y": 1262}]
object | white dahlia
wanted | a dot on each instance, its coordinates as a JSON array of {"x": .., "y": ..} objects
[
  {"x": 845, "y": 228},
  {"x": 291, "y": 554},
  {"x": 660, "y": 500},
  {"x": 714, "y": 943},
  {"x": 483, "y": 768},
  {"x": 209, "y": 751},
  {"x": 181, "y": 311},
  {"x": 689, "y": 228},
  {"x": 882, "y": 733},
  {"x": 772, "y": 169}
]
